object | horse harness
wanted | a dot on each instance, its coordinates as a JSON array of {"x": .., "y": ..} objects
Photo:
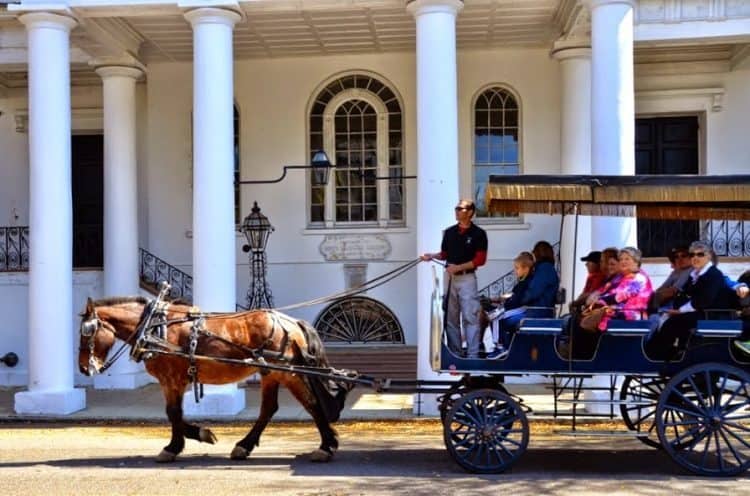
[{"x": 151, "y": 339}]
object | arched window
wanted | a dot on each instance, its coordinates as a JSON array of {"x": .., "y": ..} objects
[
  {"x": 357, "y": 120},
  {"x": 496, "y": 140}
]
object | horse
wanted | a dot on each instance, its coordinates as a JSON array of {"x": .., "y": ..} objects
[{"x": 256, "y": 336}]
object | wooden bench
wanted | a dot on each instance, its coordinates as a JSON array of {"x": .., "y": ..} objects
[
  {"x": 541, "y": 326},
  {"x": 390, "y": 361},
  {"x": 719, "y": 328}
]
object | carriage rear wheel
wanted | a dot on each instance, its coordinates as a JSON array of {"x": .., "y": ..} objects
[
  {"x": 639, "y": 397},
  {"x": 486, "y": 431},
  {"x": 703, "y": 419}
]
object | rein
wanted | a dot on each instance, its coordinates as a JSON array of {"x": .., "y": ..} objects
[{"x": 365, "y": 286}]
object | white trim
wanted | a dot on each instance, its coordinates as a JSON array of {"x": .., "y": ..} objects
[
  {"x": 358, "y": 230},
  {"x": 679, "y": 100}
]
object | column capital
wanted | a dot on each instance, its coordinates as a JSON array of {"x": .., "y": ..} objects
[
  {"x": 212, "y": 15},
  {"x": 592, "y": 4},
  {"x": 59, "y": 19},
  {"x": 419, "y": 7},
  {"x": 125, "y": 66},
  {"x": 568, "y": 50}
]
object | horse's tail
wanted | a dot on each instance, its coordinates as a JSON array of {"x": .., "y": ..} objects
[
  {"x": 330, "y": 394},
  {"x": 315, "y": 354}
]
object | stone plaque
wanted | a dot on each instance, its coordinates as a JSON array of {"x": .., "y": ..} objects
[{"x": 342, "y": 247}]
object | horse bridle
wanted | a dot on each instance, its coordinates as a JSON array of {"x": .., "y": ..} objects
[{"x": 89, "y": 328}]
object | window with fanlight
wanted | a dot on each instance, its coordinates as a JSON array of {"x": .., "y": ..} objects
[
  {"x": 497, "y": 131},
  {"x": 357, "y": 120}
]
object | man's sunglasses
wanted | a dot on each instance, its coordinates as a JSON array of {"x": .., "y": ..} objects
[
  {"x": 700, "y": 254},
  {"x": 458, "y": 209}
]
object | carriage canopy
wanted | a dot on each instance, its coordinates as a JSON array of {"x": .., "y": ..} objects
[{"x": 644, "y": 196}]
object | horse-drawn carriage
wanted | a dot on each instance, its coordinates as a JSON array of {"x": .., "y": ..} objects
[{"x": 695, "y": 406}]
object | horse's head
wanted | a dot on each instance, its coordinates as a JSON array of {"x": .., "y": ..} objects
[{"x": 97, "y": 338}]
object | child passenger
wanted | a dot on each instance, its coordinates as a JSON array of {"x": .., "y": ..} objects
[{"x": 505, "y": 319}]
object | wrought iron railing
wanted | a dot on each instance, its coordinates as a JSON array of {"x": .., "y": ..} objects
[
  {"x": 729, "y": 238},
  {"x": 504, "y": 284},
  {"x": 14, "y": 248},
  {"x": 154, "y": 270}
]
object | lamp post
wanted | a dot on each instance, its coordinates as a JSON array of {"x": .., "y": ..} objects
[{"x": 257, "y": 229}]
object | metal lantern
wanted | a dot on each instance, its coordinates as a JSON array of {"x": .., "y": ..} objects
[
  {"x": 256, "y": 229},
  {"x": 321, "y": 168}
]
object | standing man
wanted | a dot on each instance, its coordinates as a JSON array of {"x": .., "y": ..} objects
[{"x": 464, "y": 248}]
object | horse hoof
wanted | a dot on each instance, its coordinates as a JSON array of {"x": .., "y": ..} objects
[
  {"x": 321, "y": 456},
  {"x": 239, "y": 453},
  {"x": 165, "y": 457},
  {"x": 206, "y": 436}
]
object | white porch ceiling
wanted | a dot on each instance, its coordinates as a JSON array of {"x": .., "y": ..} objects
[{"x": 155, "y": 32}]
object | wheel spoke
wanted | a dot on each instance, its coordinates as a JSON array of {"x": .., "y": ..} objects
[
  {"x": 698, "y": 394},
  {"x": 736, "y": 436},
  {"x": 730, "y": 447}
]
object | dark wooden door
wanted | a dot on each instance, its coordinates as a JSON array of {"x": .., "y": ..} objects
[
  {"x": 87, "y": 163},
  {"x": 666, "y": 145}
]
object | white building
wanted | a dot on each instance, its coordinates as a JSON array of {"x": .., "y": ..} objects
[{"x": 169, "y": 103}]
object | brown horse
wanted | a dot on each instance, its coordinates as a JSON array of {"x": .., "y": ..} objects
[{"x": 256, "y": 335}]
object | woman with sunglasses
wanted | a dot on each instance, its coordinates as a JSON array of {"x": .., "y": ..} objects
[{"x": 705, "y": 289}]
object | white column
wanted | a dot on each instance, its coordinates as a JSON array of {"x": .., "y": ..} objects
[
  {"x": 575, "y": 140},
  {"x": 437, "y": 150},
  {"x": 51, "y": 345},
  {"x": 120, "y": 206},
  {"x": 612, "y": 107},
  {"x": 214, "y": 245}
]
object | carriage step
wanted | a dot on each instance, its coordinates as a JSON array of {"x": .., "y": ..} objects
[
  {"x": 578, "y": 433},
  {"x": 605, "y": 402}
]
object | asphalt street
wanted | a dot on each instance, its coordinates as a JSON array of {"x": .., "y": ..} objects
[{"x": 376, "y": 457}]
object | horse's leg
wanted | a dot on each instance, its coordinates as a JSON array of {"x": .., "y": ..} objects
[
  {"x": 269, "y": 388},
  {"x": 328, "y": 438},
  {"x": 173, "y": 395}
]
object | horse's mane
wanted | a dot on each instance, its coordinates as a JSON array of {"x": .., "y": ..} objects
[{"x": 118, "y": 300}]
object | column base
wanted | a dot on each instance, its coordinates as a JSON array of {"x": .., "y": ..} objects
[
  {"x": 218, "y": 401},
  {"x": 50, "y": 402},
  {"x": 132, "y": 380}
]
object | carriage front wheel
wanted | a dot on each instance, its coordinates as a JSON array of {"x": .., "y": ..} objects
[
  {"x": 486, "y": 431},
  {"x": 638, "y": 399},
  {"x": 703, "y": 419}
]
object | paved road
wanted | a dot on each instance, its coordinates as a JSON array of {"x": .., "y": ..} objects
[{"x": 403, "y": 457}]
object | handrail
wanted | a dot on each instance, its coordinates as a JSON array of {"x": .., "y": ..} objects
[
  {"x": 14, "y": 248},
  {"x": 154, "y": 270}
]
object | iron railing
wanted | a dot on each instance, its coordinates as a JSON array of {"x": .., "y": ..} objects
[
  {"x": 729, "y": 238},
  {"x": 154, "y": 270},
  {"x": 14, "y": 249}
]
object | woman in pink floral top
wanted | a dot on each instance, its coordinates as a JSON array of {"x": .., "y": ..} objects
[{"x": 626, "y": 296}]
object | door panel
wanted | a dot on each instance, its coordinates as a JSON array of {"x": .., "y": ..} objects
[
  {"x": 87, "y": 159},
  {"x": 666, "y": 145}
]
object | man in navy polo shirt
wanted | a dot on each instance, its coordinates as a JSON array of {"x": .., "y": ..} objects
[{"x": 464, "y": 249}]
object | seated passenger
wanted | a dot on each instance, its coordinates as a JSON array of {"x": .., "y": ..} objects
[
  {"x": 679, "y": 259},
  {"x": 545, "y": 282},
  {"x": 624, "y": 297},
  {"x": 743, "y": 293},
  {"x": 502, "y": 318},
  {"x": 611, "y": 268},
  {"x": 706, "y": 289},
  {"x": 594, "y": 279}
]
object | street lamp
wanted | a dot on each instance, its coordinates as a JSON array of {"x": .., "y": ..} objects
[
  {"x": 257, "y": 229},
  {"x": 320, "y": 166}
]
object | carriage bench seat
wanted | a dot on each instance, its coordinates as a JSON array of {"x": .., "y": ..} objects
[
  {"x": 541, "y": 326},
  {"x": 719, "y": 328},
  {"x": 620, "y": 327}
]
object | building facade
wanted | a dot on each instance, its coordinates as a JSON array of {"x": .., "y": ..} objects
[{"x": 126, "y": 126}]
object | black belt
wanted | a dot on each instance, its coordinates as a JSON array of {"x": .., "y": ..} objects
[{"x": 464, "y": 272}]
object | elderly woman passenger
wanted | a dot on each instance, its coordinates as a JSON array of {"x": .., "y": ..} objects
[
  {"x": 623, "y": 297},
  {"x": 705, "y": 289}
]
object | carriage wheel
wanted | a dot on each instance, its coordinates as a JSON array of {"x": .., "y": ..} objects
[
  {"x": 460, "y": 388},
  {"x": 486, "y": 431},
  {"x": 703, "y": 419},
  {"x": 639, "y": 413}
]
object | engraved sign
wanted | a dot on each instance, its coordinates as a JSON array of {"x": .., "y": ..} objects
[{"x": 339, "y": 247}]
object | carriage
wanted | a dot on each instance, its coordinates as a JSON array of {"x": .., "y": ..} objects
[{"x": 695, "y": 406}]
